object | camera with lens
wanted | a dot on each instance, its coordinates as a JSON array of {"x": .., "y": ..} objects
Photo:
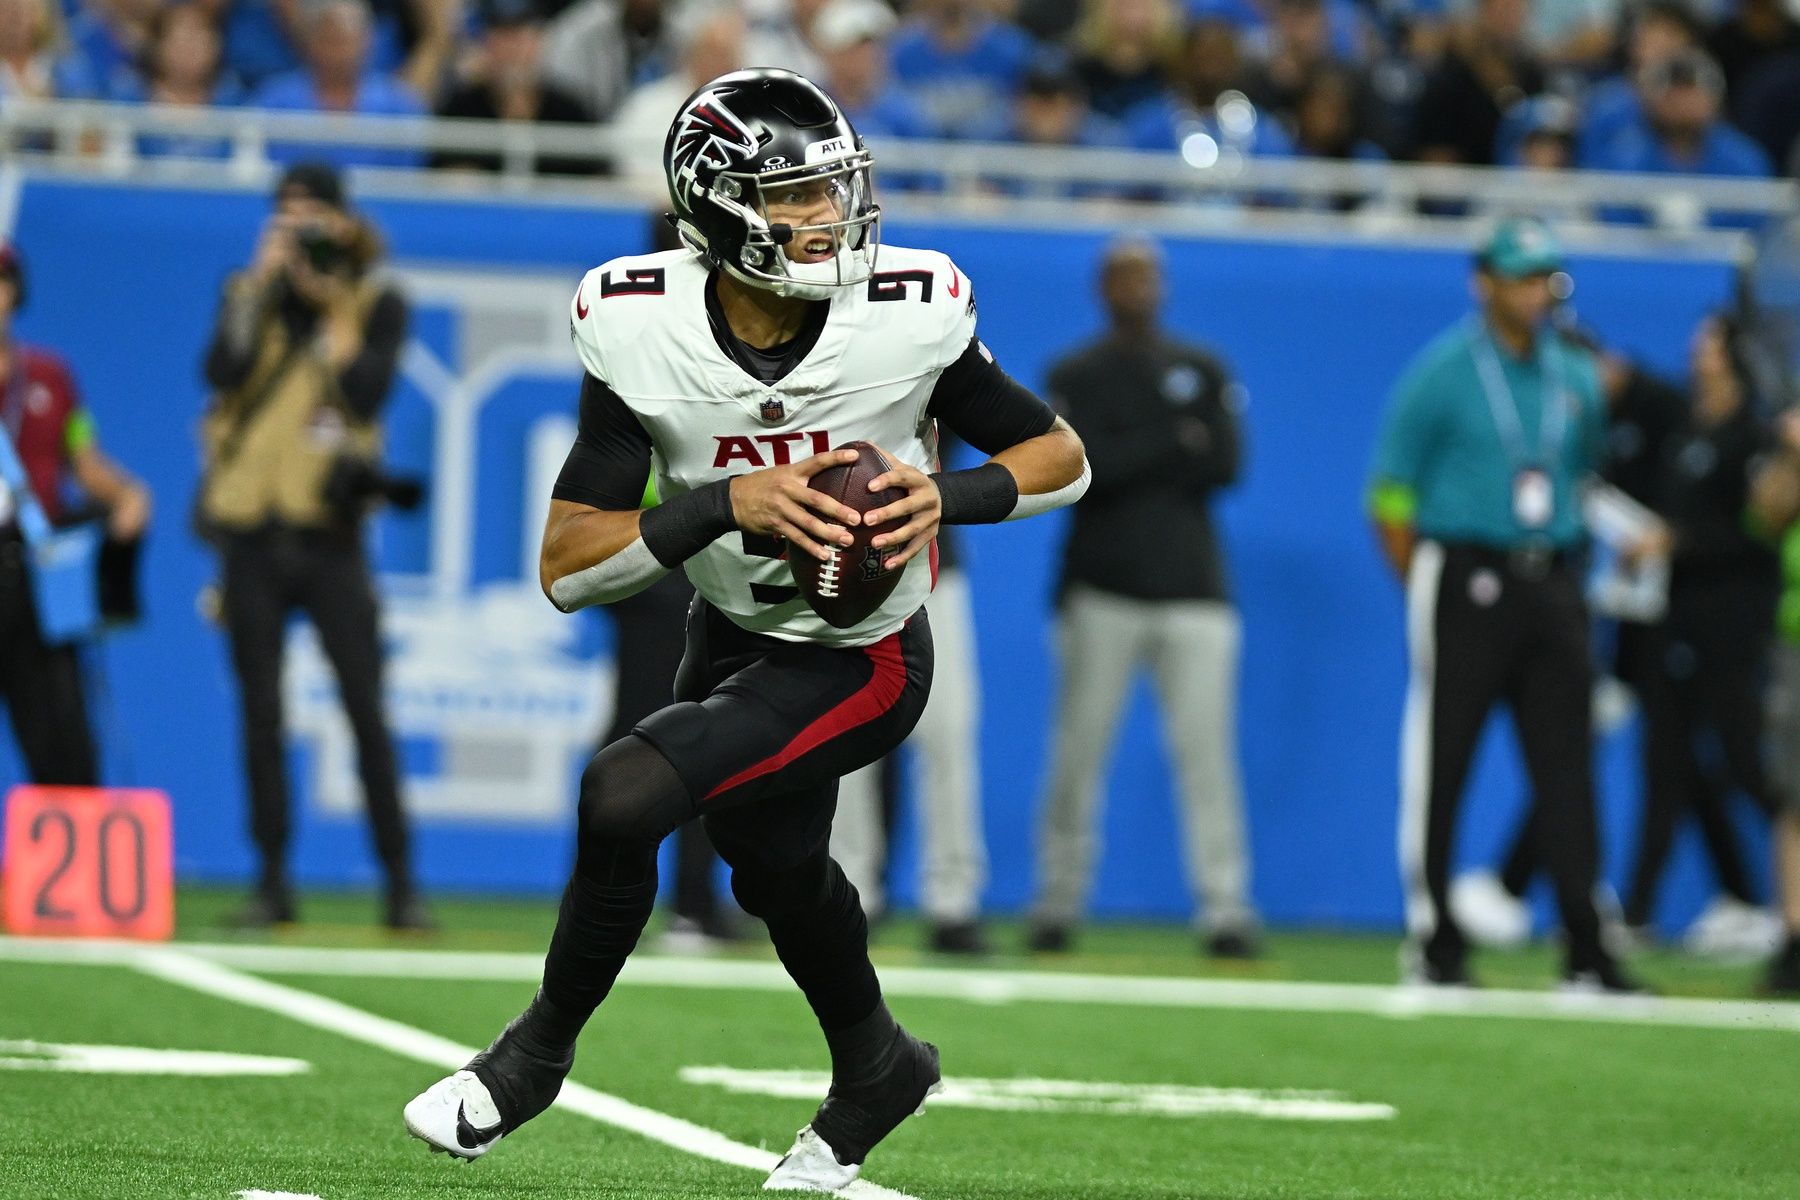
[
  {"x": 354, "y": 484},
  {"x": 323, "y": 250}
]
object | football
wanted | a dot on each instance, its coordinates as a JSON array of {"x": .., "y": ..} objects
[{"x": 853, "y": 584}]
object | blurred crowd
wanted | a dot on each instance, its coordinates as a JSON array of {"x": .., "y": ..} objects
[{"x": 1710, "y": 87}]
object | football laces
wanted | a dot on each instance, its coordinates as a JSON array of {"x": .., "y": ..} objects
[{"x": 829, "y": 574}]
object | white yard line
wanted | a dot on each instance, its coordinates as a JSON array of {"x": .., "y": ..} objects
[
  {"x": 977, "y": 985},
  {"x": 81, "y": 1059},
  {"x": 1075, "y": 1096},
  {"x": 321, "y": 1012}
]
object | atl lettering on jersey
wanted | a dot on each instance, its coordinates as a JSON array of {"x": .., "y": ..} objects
[{"x": 869, "y": 376}]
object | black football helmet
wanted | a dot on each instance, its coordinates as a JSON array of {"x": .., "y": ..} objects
[{"x": 740, "y": 139}]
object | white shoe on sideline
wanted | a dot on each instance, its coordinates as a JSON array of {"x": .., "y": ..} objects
[
  {"x": 455, "y": 1116},
  {"x": 1731, "y": 930},
  {"x": 810, "y": 1167},
  {"x": 1487, "y": 912}
]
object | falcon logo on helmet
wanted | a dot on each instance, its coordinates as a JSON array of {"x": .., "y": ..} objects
[
  {"x": 707, "y": 134},
  {"x": 748, "y": 158}
]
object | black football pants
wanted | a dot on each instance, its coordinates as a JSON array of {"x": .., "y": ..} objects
[
  {"x": 1699, "y": 675},
  {"x": 41, "y": 686},
  {"x": 650, "y": 634},
  {"x": 1485, "y": 627},
  {"x": 759, "y": 734}
]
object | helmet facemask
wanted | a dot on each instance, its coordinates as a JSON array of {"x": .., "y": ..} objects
[
  {"x": 841, "y": 229},
  {"x": 771, "y": 183}
]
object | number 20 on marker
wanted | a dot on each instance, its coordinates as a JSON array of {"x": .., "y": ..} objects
[{"x": 88, "y": 862}]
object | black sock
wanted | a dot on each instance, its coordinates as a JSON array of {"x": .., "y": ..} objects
[
  {"x": 860, "y": 1051},
  {"x": 604, "y": 910},
  {"x": 545, "y": 1029},
  {"x": 820, "y": 935},
  {"x": 400, "y": 888},
  {"x": 631, "y": 798}
]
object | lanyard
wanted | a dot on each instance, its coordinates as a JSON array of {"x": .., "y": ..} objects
[
  {"x": 1506, "y": 408},
  {"x": 32, "y": 521}
]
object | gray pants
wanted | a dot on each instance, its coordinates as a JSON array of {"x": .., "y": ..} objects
[
  {"x": 947, "y": 740},
  {"x": 1191, "y": 650}
]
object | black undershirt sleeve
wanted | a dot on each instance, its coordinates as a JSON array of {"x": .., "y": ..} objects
[
  {"x": 370, "y": 375},
  {"x": 991, "y": 411},
  {"x": 609, "y": 464},
  {"x": 608, "y": 467},
  {"x": 232, "y": 353},
  {"x": 986, "y": 407}
]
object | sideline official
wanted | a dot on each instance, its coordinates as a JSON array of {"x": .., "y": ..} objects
[{"x": 1475, "y": 496}]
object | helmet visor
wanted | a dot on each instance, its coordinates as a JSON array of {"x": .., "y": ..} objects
[{"x": 817, "y": 223}]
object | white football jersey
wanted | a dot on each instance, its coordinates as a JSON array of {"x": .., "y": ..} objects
[{"x": 640, "y": 324}]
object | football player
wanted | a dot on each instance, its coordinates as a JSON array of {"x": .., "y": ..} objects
[{"x": 731, "y": 367}]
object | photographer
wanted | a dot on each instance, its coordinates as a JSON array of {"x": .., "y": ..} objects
[{"x": 302, "y": 359}]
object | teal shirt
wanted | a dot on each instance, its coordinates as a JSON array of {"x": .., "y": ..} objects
[{"x": 1443, "y": 462}]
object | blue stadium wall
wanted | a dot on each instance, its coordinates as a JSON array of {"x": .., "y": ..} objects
[{"x": 124, "y": 281}]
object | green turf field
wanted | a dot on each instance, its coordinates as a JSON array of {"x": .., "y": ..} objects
[{"x": 1227, "y": 1083}]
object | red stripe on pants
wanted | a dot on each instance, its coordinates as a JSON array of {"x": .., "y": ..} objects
[{"x": 871, "y": 700}]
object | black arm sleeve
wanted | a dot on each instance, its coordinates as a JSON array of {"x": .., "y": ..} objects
[
  {"x": 1221, "y": 460},
  {"x": 370, "y": 375},
  {"x": 610, "y": 461},
  {"x": 986, "y": 407},
  {"x": 232, "y": 351}
]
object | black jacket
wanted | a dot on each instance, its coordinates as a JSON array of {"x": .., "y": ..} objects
[{"x": 1160, "y": 422}]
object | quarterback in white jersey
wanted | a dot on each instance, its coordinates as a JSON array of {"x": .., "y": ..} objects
[
  {"x": 730, "y": 368},
  {"x": 643, "y": 324}
]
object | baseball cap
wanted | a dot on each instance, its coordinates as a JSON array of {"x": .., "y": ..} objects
[
  {"x": 1539, "y": 117},
  {"x": 1689, "y": 68},
  {"x": 315, "y": 179},
  {"x": 1549, "y": 116},
  {"x": 1051, "y": 73},
  {"x": 1521, "y": 246},
  {"x": 846, "y": 23}
]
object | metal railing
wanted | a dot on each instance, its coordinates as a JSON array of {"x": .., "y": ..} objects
[{"x": 1219, "y": 188}]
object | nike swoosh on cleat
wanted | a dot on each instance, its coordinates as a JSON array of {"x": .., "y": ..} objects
[{"x": 470, "y": 1137}]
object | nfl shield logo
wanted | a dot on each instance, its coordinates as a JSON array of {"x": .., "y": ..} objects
[{"x": 774, "y": 410}]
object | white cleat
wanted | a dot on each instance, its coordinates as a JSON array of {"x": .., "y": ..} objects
[
  {"x": 810, "y": 1167},
  {"x": 456, "y": 1116}
]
